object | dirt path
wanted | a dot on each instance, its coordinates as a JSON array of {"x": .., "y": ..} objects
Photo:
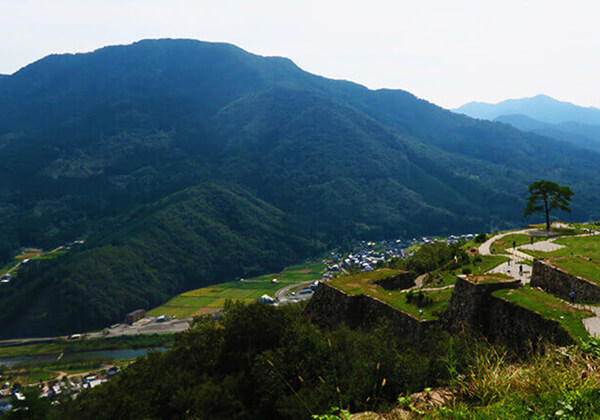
[
  {"x": 419, "y": 285},
  {"x": 419, "y": 281}
]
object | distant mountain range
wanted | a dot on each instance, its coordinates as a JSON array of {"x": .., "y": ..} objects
[
  {"x": 186, "y": 163},
  {"x": 545, "y": 116}
]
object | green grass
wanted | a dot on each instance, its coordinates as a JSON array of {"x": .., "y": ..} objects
[
  {"x": 580, "y": 267},
  {"x": 448, "y": 277},
  {"x": 36, "y": 376},
  {"x": 364, "y": 283},
  {"x": 50, "y": 255},
  {"x": 559, "y": 384},
  {"x": 549, "y": 307},
  {"x": 586, "y": 246},
  {"x": 501, "y": 245},
  {"x": 212, "y": 298},
  {"x": 28, "y": 254},
  {"x": 440, "y": 298}
]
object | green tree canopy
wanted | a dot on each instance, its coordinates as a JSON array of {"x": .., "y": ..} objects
[{"x": 545, "y": 196}]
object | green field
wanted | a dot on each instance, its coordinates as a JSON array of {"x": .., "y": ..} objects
[
  {"x": 586, "y": 246},
  {"x": 580, "y": 267},
  {"x": 549, "y": 307},
  {"x": 364, "y": 283},
  {"x": 30, "y": 254},
  {"x": 212, "y": 298}
]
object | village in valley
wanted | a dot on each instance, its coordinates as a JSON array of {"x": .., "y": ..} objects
[
  {"x": 294, "y": 284},
  {"x": 507, "y": 259}
]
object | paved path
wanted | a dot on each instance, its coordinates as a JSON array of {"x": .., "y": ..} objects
[
  {"x": 543, "y": 246},
  {"x": 591, "y": 324},
  {"x": 516, "y": 257},
  {"x": 484, "y": 248},
  {"x": 511, "y": 268}
]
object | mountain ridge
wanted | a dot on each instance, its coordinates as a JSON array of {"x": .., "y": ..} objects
[
  {"x": 89, "y": 141},
  {"x": 581, "y": 135},
  {"x": 540, "y": 107}
]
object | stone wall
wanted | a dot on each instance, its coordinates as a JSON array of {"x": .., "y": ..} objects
[
  {"x": 469, "y": 304},
  {"x": 560, "y": 283},
  {"x": 522, "y": 329},
  {"x": 473, "y": 307},
  {"x": 330, "y": 307},
  {"x": 402, "y": 281}
]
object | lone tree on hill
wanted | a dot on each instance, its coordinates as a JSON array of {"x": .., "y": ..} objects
[{"x": 546, "y": 196}]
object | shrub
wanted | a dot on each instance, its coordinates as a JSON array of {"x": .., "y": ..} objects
[{"x": 480, "y": 238}]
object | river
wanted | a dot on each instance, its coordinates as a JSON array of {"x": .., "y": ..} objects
[{"x": 10, "y": 362}]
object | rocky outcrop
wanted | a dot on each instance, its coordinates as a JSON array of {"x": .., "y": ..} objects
[
  {"x": 401, "y": 281},
  {"x": 330, "y": 307},
  {"x": 557, "y": 281}
]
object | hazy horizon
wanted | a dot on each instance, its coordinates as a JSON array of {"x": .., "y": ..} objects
[{"x": 448, "y": 54}]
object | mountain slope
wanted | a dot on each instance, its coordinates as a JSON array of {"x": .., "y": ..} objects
[
  {"x": 197, "y": 236},
  {"x": 582, "y": 135},
  {"x": 540, "y": 107},
  {"x": 90, "y": 142}
]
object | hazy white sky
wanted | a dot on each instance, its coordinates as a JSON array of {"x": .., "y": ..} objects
[{"x": 448, "y": 52}]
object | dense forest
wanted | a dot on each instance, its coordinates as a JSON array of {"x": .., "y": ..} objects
[
  {"x": 199, "y": 235},
  {"x": 262, "y": 362},
  {"x": 184, "y": 163}
]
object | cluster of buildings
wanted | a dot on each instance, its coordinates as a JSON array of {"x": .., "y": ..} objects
[
  {"x": 53, "y": 389},
  {"x": 367, "y": 255}
]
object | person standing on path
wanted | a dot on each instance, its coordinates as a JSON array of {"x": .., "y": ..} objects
[
  {"x": 572, "y": 297},
  {"x": 520, "y": 270}
]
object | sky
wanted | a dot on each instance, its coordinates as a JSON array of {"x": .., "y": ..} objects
[{"x": 448, "y": 52}]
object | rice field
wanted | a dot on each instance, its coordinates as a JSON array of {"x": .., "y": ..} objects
[{"x": 211, "y": 299}]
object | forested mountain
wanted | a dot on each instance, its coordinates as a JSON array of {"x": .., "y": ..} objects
[
  {"x": 541, "y": 107},
  {"x": 582, "y": 135},
  {"x": 545, "y": 116},
  {"x": 185, "y": 163}
]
